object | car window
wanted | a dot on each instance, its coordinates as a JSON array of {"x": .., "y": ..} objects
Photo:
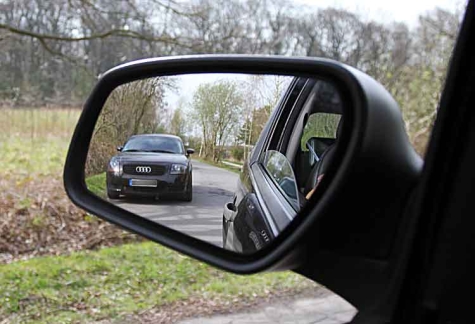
[
  {"x": 319, "y": 133},
  {"x": 320, "y": 125},
  {"x": 154, "y": 144},
  {"x": 282, "y": 174}
]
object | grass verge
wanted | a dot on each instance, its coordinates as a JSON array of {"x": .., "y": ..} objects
[
  {"x": 113, "y": 282},
  {"x": 97, "y": 184},
  {"x": 234, "y": 162},
  {"x": 219, "y": 165},
  {"x": 23, "y": 157},
  {"x": 34, "y": 142},
  {"x": 41, "y": 219}
]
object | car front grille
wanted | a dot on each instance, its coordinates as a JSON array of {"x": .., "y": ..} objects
[{"x": 156, "y": 170}]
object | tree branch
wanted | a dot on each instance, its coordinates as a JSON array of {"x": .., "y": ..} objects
[
  {"x": 113, "y": 32},
  {"x": 66, "y": 57}
]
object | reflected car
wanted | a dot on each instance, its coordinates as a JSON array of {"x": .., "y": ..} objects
[
  {"x": 282, "y": 171},
  {"x": 151, "y": 165}
]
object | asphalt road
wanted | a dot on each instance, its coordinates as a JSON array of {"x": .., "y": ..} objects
[{"x": 200, "y": 218}]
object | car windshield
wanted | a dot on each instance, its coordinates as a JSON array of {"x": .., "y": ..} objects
[{"x": 158, "y": 144}]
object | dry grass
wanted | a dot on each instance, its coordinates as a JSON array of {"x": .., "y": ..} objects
[
  {"x": 131, "y": 279},
  {"x": 36, "y": 217},
  {"x": 38, "y": 123},
  {"x": 35, "y": 141}
]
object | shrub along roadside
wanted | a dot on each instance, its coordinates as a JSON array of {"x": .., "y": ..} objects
[{"x": 113, "y": 282}]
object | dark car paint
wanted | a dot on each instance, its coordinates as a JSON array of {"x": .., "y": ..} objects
[{"x": 168, "y": 184}]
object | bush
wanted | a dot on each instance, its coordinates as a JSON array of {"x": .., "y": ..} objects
[{"x": 237, "y": 153}]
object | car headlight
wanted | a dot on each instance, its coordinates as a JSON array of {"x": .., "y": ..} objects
[
  {"x": 114, "y": 167},
  {"x": 177, "y": 169}
]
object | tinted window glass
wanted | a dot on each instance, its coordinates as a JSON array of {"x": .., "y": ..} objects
[
  {"x": 281, "y": 172},
  {"x": 154, "y": 144}
]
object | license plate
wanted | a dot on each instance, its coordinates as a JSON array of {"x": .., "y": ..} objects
[{"x": 142, "y": 183}]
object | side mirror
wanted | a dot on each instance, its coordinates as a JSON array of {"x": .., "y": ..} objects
[
  {"x": 120, "y": 148},
  {"x": 275, "y": 220},
  {"x": 189, "y": 151}
]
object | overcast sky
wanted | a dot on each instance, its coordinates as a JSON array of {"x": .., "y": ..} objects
[{"x": 386, "y": 10}]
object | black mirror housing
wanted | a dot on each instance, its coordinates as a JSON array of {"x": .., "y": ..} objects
[
  {"x": 120, "y": 148},
  {"x": 190, "y": 151}
]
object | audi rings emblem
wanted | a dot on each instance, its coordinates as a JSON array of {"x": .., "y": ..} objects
[{"x": 143, "y": 169}]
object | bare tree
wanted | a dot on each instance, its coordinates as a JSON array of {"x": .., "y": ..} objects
[
  {"x": 178, "y": 122},
  {"x": 217, "y": 106},
  {"x": 133, "y": 108},
  {"x": 53, "y": 50}
]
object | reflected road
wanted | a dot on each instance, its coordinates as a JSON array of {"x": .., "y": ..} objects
[{"x": 200, "y": 218}]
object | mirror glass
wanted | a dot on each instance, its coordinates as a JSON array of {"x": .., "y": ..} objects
[{"x": 229, "y": 159}]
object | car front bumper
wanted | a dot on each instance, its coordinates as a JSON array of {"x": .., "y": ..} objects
[{"x": 167, "y": 184}]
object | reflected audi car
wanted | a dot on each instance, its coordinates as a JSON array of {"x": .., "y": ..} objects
[{"x": 151, "y": 165}]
